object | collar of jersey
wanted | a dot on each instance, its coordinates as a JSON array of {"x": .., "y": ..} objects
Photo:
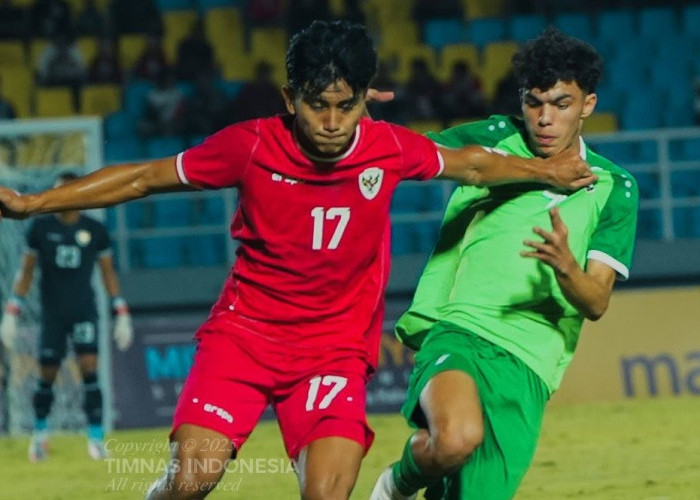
[
  {"x": 582, "y": 148},
  {"x": 332, "y": 159}
]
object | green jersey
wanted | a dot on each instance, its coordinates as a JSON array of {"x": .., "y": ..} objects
[{"x": 476, "y": 277}]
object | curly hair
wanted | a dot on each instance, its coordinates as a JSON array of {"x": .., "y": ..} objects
[
  {"x": 326, "y": 52},
  {"x": 555, "y": 56}
]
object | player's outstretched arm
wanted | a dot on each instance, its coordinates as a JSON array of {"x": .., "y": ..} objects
[
  {"x": 104, "y": 187},
  {"x": 481, "y": 166}
]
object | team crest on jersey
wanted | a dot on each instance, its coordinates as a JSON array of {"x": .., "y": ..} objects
[
  {"x": 370, "y": 182},
  {"x": 83, "y": 237}
]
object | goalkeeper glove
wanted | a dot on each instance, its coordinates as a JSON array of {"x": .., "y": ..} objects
[
  {"x": 123, "y": 330},
  {"x": 9, "y": 323}
]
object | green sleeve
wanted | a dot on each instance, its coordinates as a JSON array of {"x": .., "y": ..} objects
[{"x": 613, "y": 239}]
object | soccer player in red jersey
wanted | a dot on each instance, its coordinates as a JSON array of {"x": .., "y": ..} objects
[{"x": 297, "y": 324}]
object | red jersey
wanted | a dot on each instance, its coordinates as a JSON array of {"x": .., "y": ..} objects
[{"x": 313, "y": 262}]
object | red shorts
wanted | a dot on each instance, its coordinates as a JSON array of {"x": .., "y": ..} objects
[{"x": 236, "y": 374}]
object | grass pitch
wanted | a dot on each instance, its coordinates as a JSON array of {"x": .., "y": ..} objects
[{"x": 633, "y": 450}]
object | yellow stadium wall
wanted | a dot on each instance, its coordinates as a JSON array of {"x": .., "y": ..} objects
[{"x": 646, "y": 345}]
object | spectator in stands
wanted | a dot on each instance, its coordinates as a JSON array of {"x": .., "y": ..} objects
[
  {"x": 301, "y": 13},
  {"x": 61, "y": 63},
  {"x": 256, "y": 99},
  {"x": 136, "y": 16},
  {"x": 14, "y": 21},
  {"x": 507, "y": 99},
  {"x": 390, "y": 111},
  {"x": 203, "y": 107},
  {"x": 195, "y": 54},
  {"x": 50, "y": 18},
  {"x": 91, "y": 20},
  {"x": 428, "y": 10},
  {"x": 152, "y": 62},
  {"x": 164, "y": 106},
  {"x": 463, "y": 96},
  {"x": 105, "y": 67},
  {"x": 7, "y": 110},
  {"x": 424, "y": 91}
]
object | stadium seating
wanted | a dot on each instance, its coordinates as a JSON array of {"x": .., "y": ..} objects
[
  {"x": 51, "y": 102},
  {"x": 657, "y": 22},
  {"x": 100, "y": 100},
  {"x": 496, "y": 62},
  {"x": 577, "y": 24},
  {"x": 161, "y": 252},
  {"x": 484, "y": 31},
  {"x": 441, "y": 32},
  {"x": 205, "y": 250},
  {"x": 11, "y": 53},
  {"x": 454, "y": 53},
  {"x": 131, "y": 47},
  {"x": 135, "y": 98},
  {"x": 600, "y": 122},
  {"x": 122, "y": 150},
  {"x": 161, "y": 147},
  {"x": 17, "y": 85},
  {"x": 614, "y": 25},
  {"x": 525, "y": 27},
  {"x": 649, "y": 224},
  {"x": 177, "y": 24},
  {"x": 172, "y": 212},
  {"x": 119, "y": 125},
  {"x": 165, "y": 6}
]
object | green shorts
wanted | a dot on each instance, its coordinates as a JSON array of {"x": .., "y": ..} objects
[{"x": 513, "y": 399}]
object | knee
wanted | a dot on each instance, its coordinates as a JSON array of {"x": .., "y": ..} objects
[
  {"x": 193, "y": 476},
  {"x": 454, "y": 443},
  {"x": 331, "y": 486}
]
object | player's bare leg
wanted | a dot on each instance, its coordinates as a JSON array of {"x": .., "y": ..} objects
[
  {"x": 92, "y": 405},
  {"x": 198, "y": 459},
  {"x": 43, "y": 399},
  {"x": 328, "y": 468},
  {"x": 450, "y": 402}
]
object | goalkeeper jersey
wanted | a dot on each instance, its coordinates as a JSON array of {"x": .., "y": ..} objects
[{"x": 476, "y": 277}]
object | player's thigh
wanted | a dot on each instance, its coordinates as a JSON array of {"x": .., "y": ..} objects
[
  {"x": 224, "y": 391},
  {"x": 329, "y": 403},
  {"x": 53, "y": 341},
  {"x": 83, "y": 334},
  {"x": 199, "y": 456}
]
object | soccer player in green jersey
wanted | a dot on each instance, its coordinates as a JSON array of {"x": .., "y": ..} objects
[{"x": 499, "y": 307}]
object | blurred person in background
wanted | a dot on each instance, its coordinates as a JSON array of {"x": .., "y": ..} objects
[
  {"x": 105, "y": 66},
  {"x": 7, "y": 110},
  {"x": 50, "y": 18},
  {"x": 66, "y": 247},
  {"x": 14, "y": 21},
  {"x": 498, "y": 310},
  {"x": 152, "y": 61},
  {"x": 195, "y": 54},
  {"x": 424, "y": 93},
  {"x": 298, "y": 322},
  {"x": 135, "y": 16},
  {"x": 463, "y": 96},
  {"x": 91, "y": 21},
  {"x": 202, "y": 109},
  {"x": 257, "y": 98},
  {"x": 164, "y": 108}
]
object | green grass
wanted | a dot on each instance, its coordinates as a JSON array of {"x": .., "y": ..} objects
[{"x": 634, "y": 450}]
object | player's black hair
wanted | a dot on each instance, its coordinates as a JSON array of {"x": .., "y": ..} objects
[
  {"x": 326, "y": 52},
  {"x": 554, "y": 56}
]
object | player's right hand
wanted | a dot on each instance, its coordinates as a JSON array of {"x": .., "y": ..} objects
[
  {"x": 12, "y": 204},
  {"x": 8, "y": 329},
  {"x": 568, "y": 170}
]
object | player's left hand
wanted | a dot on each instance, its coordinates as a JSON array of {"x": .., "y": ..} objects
[
  {"x": 12, "y": 204},
  {"x": 123, "y": 331},
  {"x": 554, "y": 250}
]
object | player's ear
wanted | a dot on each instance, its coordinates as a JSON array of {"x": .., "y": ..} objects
[
  {"x": 589, "y": 102},
  {"x": 288, "y": 95}
]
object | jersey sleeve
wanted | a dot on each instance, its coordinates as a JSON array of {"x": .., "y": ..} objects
[
  {"x": 421, "y": 158},
  {"x": 613, "y": 239},
  {"x": 103, "y": 245},
  {"x": 221, "y": 160}
]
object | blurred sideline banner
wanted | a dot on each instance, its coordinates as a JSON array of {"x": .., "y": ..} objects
[
  {"x": 646, "y": 345},
  {"x": 149, "y": 376}
]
